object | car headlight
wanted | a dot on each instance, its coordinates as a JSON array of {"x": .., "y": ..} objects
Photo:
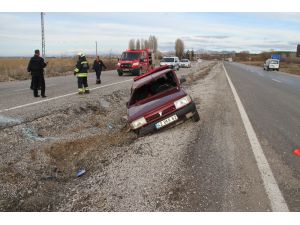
[
  {"x": 182, "y": 102},
  {"x": 138, "y": 123},
  {"x": 119, "y": 64},
  {"x": 135, "y": 64}
]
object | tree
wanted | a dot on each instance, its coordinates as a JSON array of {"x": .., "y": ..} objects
[
  {"x": 131, "y": 44},
  {"x": 187, "y": 54},
  {"x": 192, "y": 55},
  {"x": 142, "y": 44},
  {"x": 138, "y": 44},
  {"x": 152, "y": 43},
  {"x": 179, "y": 48}
]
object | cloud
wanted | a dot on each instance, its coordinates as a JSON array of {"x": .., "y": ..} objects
[
  {"x": 67, "y": 32},
  {"x": 212, "y": 36}
]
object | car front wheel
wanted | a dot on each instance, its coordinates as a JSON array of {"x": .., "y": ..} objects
[
  {"x": 120, "y": 73},
  {"x": 196, "y": 116}
]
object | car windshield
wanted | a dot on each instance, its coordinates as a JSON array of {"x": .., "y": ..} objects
[
  {"x": 154, "y": 88},
  {"x": 130, "y": 56},
  {"x": 274, "y": 62},
  {"x": 184, "y": 60},
  {"x": 167, "y": 60}
]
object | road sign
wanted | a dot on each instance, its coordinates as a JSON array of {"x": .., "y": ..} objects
[{"x": 275, "y": 56}]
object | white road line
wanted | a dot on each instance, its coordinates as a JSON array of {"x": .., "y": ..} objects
[
  {"x": 276, "y": 80},
  {"x": 61, "y": 96},
  {"x": 277, "y": 201}
]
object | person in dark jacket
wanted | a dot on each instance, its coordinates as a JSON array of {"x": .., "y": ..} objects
[
  {"x": 98, "y": 65},
  {"x": 81, "y": 71},
  {"x": 36, "y": 67}
]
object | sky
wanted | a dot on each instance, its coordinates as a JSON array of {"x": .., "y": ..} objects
[{"x": 69, "y": 33}]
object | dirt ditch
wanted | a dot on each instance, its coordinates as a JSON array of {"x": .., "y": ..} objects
[{"x": 39, "y": 160}]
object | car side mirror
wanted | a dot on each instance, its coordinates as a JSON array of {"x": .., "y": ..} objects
[{"x": 182, "y": 80}]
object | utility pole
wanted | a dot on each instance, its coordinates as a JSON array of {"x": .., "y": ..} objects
[
  {"x": 43, "y": 35},
  {"x": 96, "y": 48}
]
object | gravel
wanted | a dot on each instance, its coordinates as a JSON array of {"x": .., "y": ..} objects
[{"x": 41, "y": 156}]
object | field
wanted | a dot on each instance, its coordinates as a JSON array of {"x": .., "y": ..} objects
[{"x": 16, "y": 68}]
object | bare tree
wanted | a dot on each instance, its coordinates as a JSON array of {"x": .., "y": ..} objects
[
  {"x": 142, "y": 44},
  {"x": 152, "y": 43},
  {"x": 138, "y": 44},
  {"x": 131, "y": 44},
  {"x": 146, "y": 44},
  {"x": 179, "y": 48}
]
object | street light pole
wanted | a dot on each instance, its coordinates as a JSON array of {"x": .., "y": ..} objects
[
  {"x": 43, "y": 36},
  {"x": 96, "y": 48}
]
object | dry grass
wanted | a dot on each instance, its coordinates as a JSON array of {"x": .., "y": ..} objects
[
  {"x": 16, "y": 68},
  {"x": 293, "y": 68}
]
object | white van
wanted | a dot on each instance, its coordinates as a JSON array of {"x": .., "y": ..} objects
[
  {"x": 271, "y": 64},
  {"x": 172, "y": 62}
]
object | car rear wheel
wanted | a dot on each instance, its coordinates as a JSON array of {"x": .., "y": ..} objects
[{"x": 196, "y": 116}]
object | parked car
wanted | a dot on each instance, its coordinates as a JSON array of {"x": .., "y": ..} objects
[
  {"x": 157, "y": 101},
  {"x": 185, "y": 63},
  {"x": 271, "y": 64},
  {"x": 172, "y": 62}
]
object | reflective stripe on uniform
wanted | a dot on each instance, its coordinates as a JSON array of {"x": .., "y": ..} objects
[
  {"x": 81, "y": 74},
  {"x": 76, "y": 70},
  {"x": 84, "y": 62}
]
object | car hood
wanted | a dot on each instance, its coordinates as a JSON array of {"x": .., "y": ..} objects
[{"x": 136, "y": 111}]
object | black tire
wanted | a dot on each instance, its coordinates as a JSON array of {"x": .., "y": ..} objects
[
  {"x": 138, "y": 72},
  {"x": 196, "y": 116},
  {"x": 120, "y": 73}
]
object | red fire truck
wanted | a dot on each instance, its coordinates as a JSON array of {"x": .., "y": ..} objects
[{"x": 135, "y": 62}]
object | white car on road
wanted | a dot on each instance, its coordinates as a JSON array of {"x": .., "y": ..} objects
[
  {"x": 271, "y": 64},
  {"x": 172, "y": 62},
  {"x": 185, "y": 63}
]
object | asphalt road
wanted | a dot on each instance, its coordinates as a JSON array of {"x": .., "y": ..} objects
[{"x": 272, "y": 102}]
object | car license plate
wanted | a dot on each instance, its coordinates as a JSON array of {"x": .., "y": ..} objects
[
  {"x": 166, "y": 122},
  {"x": 126, "y": 70}
]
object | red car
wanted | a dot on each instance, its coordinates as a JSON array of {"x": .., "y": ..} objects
[{"x": 157, "y": 101}]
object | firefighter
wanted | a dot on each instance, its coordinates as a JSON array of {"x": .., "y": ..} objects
[
  {"x": 81, "y": 70},
  {"x": 98, "y": 64},
  {"x": 36, "y": 66}
]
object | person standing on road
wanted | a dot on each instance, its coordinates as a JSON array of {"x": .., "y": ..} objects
[
  {"x": 81, "y": 70},
  {"x": 36, "y": 67},
  {"x": 98, "y": 64}
]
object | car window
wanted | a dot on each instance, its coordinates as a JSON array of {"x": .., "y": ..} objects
[
  {"x": 274, "y": 62},
  {"x": 168, "y": 60},
  {"x": 156, "y": 87},
  {"x": 130, "y": 56}
]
